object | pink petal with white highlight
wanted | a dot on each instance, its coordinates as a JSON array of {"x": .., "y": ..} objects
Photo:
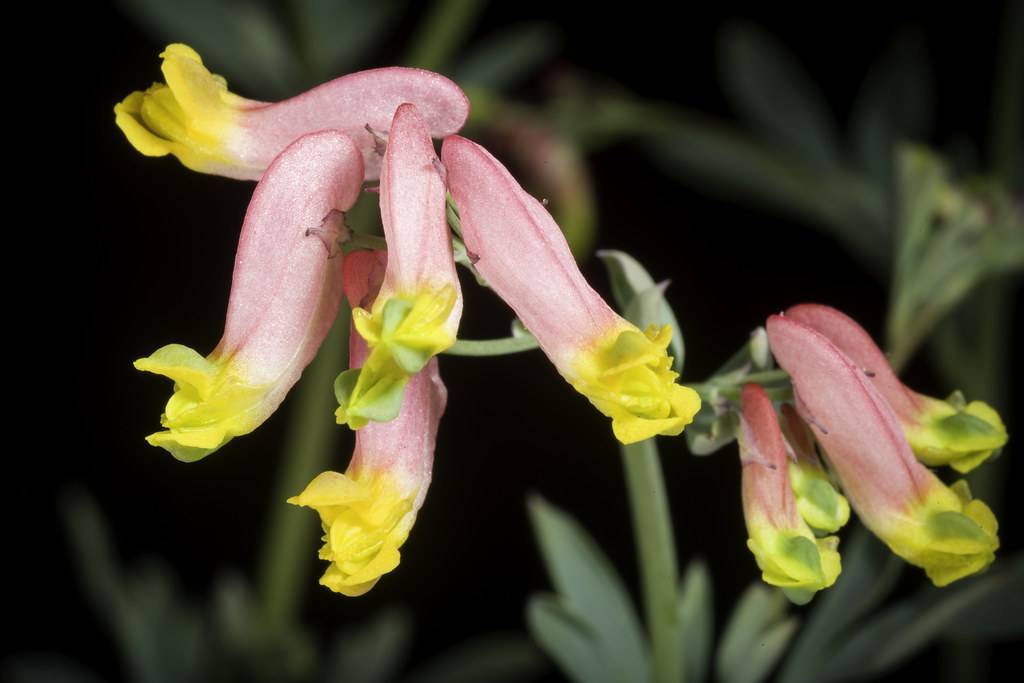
[
  {"x": 766, "y": 487},
  {"x": 523, "y": 254}
]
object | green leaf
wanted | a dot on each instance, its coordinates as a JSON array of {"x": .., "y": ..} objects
[
  {"x": 870, "y": 572},
  {"x": 45, "y": 667},
  {"x": 904, "y": 629},
  {"x": 755, "y": 636},
  {"x": 568, "y": 641},
  {"x": 696, "y": 616},
  {"x": 373, "y": 652},
  {"x": 887, "y": 112},
  {"x": 772, "y": 91},
  {"x": 590, "y": 590},
  {"x": 629, "y": 279},
  {"x": 504, "y": 59},
  {"x": 495, "y": 658}
]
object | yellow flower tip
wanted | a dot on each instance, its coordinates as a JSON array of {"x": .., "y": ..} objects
[
  {"x": 409, "y": 328},
  {"x": 191, "y": 117},
  {"x": 366, "y": 518},
  {"x": 823, "y": 508},
  {"x": 211, "y": 403},
  {"x": 795, "y": 561},
  {"x": 958, "y": 435},
  {"x": 950, "y": 535},
  {"x": 628, "y": 377}
]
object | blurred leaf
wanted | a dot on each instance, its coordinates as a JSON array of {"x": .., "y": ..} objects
[
  {"x": 159, "y": 634},
  {"x": 870, "y": 572},
  {"x": 696, "y": 616},
  {"x": 732, "y": 165},
  {"x": 755, "y": 636},
  {"x": 895, "y": 105},
  {"x": 336, "y": 35},
  {"x": 569, "y": 642},
  {"x": 241, "y": 40},
  {"x": 769, "y": 88},
  {"x": 372, "y": 652},
  {"x": 629, "y": 280},
  {"x": 441, "y": 33},
  {"x": 950, "y": 238},
  {"x": 504, "y": 59},
  {"x": 986, "y": 605},
  {"x": 496, "y": 658},
  {"x": 591, "y": 591},
  {"x": 45, "y": 667}
]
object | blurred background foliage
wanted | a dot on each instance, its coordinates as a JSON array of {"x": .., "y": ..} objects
[{"x": 742, "y": 156}]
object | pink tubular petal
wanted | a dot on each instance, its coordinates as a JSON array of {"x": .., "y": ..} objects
[
  {"x": 522, "y": 253},
  {"x": 413, "y": 211},
  {"x": 765, "y": 464},
  {"x": 350, "y": 104},
  {"x": 854, "y": 341},
  {"x": 286, "y": 285},
  {"x": 364, "y": 272},
  {"x": 851, "y": 420},
  {"x": 798, "y": 434}
]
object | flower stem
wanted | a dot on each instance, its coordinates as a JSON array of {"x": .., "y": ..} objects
[
  {"x": 493, "y": 347},
  {"x": 311, "y": 438},
  {"x": 656, "y": 553},
  {"x": 442, "y": 33}
]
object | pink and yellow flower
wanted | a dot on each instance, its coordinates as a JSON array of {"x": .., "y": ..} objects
[
  {"x": 212, "y": 130},
  {"x": 939, "y": 432},
  {"x": 368, "y": 512},
  {"x": 416, "y": 314},
  {"x": 784, "y": 546},
  {"x": 625, "y": 372},
  {"x": 285, "y": 293},
  {"x": 930, "y": 525}
]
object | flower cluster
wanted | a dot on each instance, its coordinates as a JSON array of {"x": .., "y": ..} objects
[
  {"x": 878, "y": 438},
  {"x": 311, "y": 155}
]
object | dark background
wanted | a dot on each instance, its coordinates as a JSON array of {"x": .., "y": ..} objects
[{"x": 161, "y": 248}]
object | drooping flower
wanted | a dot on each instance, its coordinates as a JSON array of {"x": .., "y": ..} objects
[
  {"x": 285, "y": 293},
  {"x": 939, "y": 432},
  {"x": 786, "y": 550},
  {"x": 368, "y": 512},
  {"x": 416, "y": 314},
  {"x": 822, "y": 507},
  {"x": 212, "y": 130},
  {"x": 930, "y": 525},
  {"x": 623, "y": 371}
]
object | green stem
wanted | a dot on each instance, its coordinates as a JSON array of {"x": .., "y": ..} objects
[
  {"x": 289, "y": 548},
  {"x": 442, "y": 33},
  {"x": 656, "y": 551},
  {"x": 492, "y": 347}
]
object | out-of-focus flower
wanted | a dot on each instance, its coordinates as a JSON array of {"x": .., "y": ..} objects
[
  {"x": 623, "y": 371},
  {"x": 939, "y": 432},
  {"x": 822, "y": 507},
  {"x": 212, "y": 130},
  {"x": 785, "y": 548},
  {"x": 285, "y": 293},
  {"x": 368, "y": 512},
  {"x": 416, "y": 314},
  {"x": 936, "y": 527}
]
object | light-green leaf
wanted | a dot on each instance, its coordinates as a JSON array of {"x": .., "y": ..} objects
[
  {"x": 505, "y": 58},
  {"x": 629, "y": 281},
  {"x": 770, "y": 88},
  {"x": 755, "y": 636},
  {"x": 568, "y": 641},
  {"x": 591, "y": 589},
  {"x": 696, "y": 616},
  {"x": 374, "y": 652},
  {"x": 496, "y": 658}
]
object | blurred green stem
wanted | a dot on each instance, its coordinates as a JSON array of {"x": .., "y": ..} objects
[
  {"x": 310, "y": 442},
  {"x": 1006, "y": 147},
  {"x": 442, "y": 33},
  {"x": 656, "y": 550}
]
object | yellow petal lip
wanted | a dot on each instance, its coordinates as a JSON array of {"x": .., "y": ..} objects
[
  {"x": 192, "y": 117},
  {"x": 628, "y": 377},
  {"x": 366, "y": 517}
]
